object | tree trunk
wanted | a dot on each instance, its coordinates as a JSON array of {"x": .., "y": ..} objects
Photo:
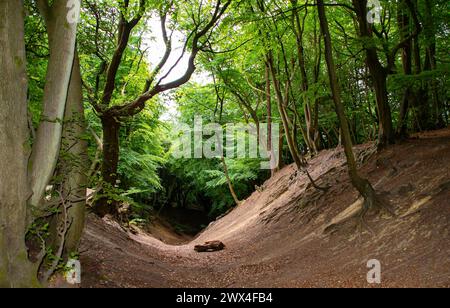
[
  {"x": 403, "y": 21},
  {"x": 379, "y": 75},
  {"x": 15, "y": 268},
  {"x": 74, "y": 161},
  {"x": 47, "y": 144},
  {"x": 229, "y": 182},
  {"x": 309, "y": 118},
  {"x": 386, "y": 133},
  {"x": 269, "y": 120},
  {"x": 421, "y": 99},
  {"x": 310, "y": 129},
  {"x": 284, "y": 118},
  {"x": 431, "y": 63},
  {"x": 110, "y": 163},
  {"x": 280, "y": 149},
  {"x": 299, "y": 160},
  {"x": 361, "y": 184}
]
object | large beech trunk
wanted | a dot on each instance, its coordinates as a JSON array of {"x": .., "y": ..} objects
[
  {"x": 15, "y": 268},
  {"x": 47, "y": 144},
  {"x": 73, "y": 162}
]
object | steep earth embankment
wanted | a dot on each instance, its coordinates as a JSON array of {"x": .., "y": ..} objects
[{"x": 276, "y": 238}]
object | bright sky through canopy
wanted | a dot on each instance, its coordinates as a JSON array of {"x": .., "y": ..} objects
[{"x": 156, "y": 48}]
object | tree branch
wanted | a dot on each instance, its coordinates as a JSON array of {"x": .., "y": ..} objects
[
  {"x": 125, "y": 29},
  {"x": 168, "y": 45},
  {"x": 403, "y": 43},
  {"x": 137, "y": 105}
]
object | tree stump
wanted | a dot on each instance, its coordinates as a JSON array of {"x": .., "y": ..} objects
[{"x": 210, "y": 247}]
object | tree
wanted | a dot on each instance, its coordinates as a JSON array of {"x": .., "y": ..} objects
[
  {"x": 112, "y": 115},
  {"x": 72, "y": 166},
  {"x": 361, "y": 184},
  {"x": 62, "y": 36},
  {"x": 24, "y": 179},
  {"x": 15, "y": 268},
  {"x": 379, "y": 74},
  {"x": 403, "y": 21}
]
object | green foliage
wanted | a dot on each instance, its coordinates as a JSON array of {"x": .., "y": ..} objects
[
  {"x": 142, "y": 154},
  {"x": 205, "y": 178}
]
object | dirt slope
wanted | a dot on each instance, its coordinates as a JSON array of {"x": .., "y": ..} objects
[{"x": 276, "y": 238}]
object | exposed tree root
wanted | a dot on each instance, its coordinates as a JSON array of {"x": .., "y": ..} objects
[
  {"x": 314, "y": 184},
  {"x": 359, "y": 210}
]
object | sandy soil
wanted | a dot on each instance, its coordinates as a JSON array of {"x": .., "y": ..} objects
[{"x": 276, "y": 238}]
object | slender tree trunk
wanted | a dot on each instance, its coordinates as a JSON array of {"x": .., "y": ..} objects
[
  {"x": 316, "y": 138},
  {"x": 292, "y": 142},
  {"x": 310, "y": 129},
  {"x": 421, "y": 99},
  {"x": 403, "y": 21},
  {"x": 317, "y": 68},
  {"x": 431, "y": 63},
  {"x": 402, "y": 127},
  {"x": 284, "y": 118},
  {"x": 280, "y": 149},
  {"x": 15, "y": 268},
  {"x": 47, "y": 144},
  {"x": 110, "y": 163},
  {"x": 269, "y": 118},
  {"x": 361, "y": 184},
  {"x": 309, "y": 117},
  {"x": 229, "y": 182}
]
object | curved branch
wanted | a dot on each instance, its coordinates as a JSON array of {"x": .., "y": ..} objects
[
  {"x": 139, "y": 104},
  {"x": 168, "y": 44}
]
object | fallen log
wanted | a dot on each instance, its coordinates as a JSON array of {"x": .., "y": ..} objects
[{"x": 210, "y": 247}]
